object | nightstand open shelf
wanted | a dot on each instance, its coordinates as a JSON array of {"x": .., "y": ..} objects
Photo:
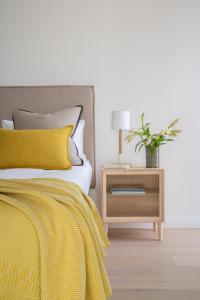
[{"x": 125, "y": 206}]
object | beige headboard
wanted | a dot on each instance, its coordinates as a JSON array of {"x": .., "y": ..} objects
[{"x": 47, "y": 99}]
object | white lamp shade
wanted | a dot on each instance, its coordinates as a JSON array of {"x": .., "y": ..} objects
[{"x": 121, "y": 119}]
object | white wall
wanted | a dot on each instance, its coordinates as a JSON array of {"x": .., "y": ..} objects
[{"x": 141, "y": 55}]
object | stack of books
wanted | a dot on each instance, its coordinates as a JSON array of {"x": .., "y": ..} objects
[{"x": 128, "y": 190}]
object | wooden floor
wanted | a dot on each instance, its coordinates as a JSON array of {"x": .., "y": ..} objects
[{"x": 141, "y": 268}]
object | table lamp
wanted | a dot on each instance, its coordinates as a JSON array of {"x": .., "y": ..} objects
[{"x": 121, "y": 121}]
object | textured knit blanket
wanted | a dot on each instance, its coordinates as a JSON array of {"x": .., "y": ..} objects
[{"x": 51, "y": 242}]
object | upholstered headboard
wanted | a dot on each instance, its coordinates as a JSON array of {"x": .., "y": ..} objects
[{"x": 47, "y": 99}]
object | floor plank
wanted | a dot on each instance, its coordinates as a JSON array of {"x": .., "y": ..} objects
[
  {"x": 141, "y": 267},
  {"x": 155, "y": 295}
]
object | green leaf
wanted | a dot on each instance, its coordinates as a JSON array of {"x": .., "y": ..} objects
[
  {"x": 138, "y": 144},
  {"x": 147, "y": 124},
  {"x": 178, "y": 130},
  {"x": 148, "y": 132},
  {"x": 174, "y": 132},
  {"x": 131, "y": 136},
  {"x": 140, "y": 148},
  {"x": 171, "y": 125},
  {"x": 133, "y": 130},
  {"x": 142, "y": 120}
]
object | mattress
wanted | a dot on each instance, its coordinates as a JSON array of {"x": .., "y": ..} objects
[{"x": 81, "y": 175}]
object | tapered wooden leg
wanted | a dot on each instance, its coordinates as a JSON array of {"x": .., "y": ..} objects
[
  {"x": 159, "y": 231},
  {"x": 154, "y": 226},
  {"x": 106, "y": 227}
]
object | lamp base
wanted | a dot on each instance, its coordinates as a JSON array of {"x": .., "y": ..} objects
[{"x": 120, "y": 158}]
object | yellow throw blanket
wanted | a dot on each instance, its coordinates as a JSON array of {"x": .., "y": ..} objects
[{"x": 51, "y": 242}]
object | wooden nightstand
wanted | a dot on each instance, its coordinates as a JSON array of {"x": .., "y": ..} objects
[{"x": 143, "y": 207}]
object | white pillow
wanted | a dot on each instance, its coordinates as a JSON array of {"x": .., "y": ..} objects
[
  {"x": 7, "y": 124},
  {"x": 77, "y": 137}
]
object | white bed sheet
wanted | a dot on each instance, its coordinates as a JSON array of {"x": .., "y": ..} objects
[{"x": 81, "y": 175}]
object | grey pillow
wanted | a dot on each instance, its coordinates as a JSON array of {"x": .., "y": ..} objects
[{"x": 71, "y": 116}]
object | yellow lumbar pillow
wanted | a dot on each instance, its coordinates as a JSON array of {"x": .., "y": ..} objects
[{"x": 42, "y": 149}]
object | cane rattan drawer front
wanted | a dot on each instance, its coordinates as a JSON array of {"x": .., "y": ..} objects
[{"x": 138, "y": 204}]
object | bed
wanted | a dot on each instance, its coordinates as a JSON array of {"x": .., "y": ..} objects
[
  {"x": 81, "y": 175},
  {"x": 52, "y": 239}
]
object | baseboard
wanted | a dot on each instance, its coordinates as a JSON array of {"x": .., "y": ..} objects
[
  {"x": 182, "y": 222},
  {"x": 170, "y": 222}
]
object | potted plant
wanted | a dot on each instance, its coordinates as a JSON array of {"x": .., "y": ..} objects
[{"x": 152, "y": 141}]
